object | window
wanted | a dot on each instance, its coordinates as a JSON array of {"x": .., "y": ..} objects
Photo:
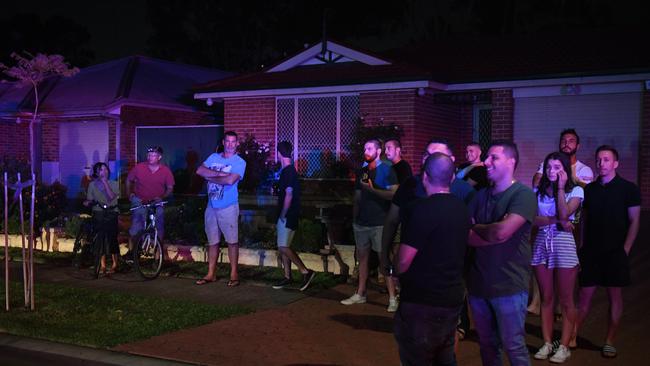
[
  {"x": 320, "y": 128},
  {"x": 483, "y": 126}
]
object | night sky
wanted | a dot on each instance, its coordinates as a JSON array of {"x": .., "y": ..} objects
[{"x": 244, "y": 35}]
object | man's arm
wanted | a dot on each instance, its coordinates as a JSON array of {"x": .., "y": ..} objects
[
  {"x": 406, "y": 255},
  {"x": 217, "y": 177},
  {"x": 391, "y": 222},
  {"x": 634, "y": 214},
  {"x": 498, "y": 232},
  {"x": 355, "y": 204},
  {"x": 287, "y": 202},
  {"x": 385, "y": 194}
]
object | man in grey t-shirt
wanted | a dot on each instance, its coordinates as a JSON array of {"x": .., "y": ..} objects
[{"x": 499, "y": 276}]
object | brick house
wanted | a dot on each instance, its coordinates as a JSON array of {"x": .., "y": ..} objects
[
  {"x": 102, "y": 113},
  {"x": 521, "y": 89}
]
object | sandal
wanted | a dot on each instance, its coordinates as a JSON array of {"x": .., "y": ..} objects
[
  {"x": 204, "y": 281},
  {"x": 608, "y": 351},
  {"x": 233, "y": 283}
]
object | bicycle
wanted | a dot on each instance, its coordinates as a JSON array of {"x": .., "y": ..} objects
[
  {"x": 86, "y": 240},
  {"x": 148, "y": 251}
]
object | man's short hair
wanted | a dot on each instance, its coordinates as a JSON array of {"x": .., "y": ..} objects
[
  {"x": 155, "y": 149},
  {"x": 509, "y": 149},
  {"x": 439, "y": 169},
  {"x": 395, "y": 140},
  {"x": 285, "y": 149},
  {"x": 474, "y": 143},
  {"x": 571, "y": 131},
  {"x": 229, "y": 133},
  {"x": 375, "y": 141},
  {"x": 441, "y": 141},
  {"x": 609, "y": 148}
]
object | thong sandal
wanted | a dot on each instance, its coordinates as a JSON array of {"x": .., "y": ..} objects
[
  {"x": 203, "y": 281},
  {"x": 233, "y": 283},
  {"x": 608, "y": 351}
]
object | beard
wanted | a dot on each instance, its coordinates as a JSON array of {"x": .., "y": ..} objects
[
  {"x": 569, "y": 152},
  {"x": 369, "y": 158}
]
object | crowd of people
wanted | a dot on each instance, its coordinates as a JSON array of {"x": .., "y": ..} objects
[{"x": 451, "y": 241}]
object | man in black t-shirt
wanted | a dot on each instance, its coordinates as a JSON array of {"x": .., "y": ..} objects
[
  {"x": 499, "y": 275},
  {"x": 394, "y": 153},
  {"x": 430, "y": 266},
  {"x": 611, "y": 217},
  {"x": 287, "y": 224},
  {"x": 473, "y": 171}
]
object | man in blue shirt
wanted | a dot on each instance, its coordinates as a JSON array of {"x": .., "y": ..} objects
[{"x": 223, "y": 171}]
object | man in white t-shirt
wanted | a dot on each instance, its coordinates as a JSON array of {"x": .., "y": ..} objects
[{"x": 569, "y": 144}]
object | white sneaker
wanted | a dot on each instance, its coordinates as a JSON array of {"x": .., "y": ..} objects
[
  {"x": 562, "y": 354},
  {"x": 544, "y": 352},
  {"x": 354, "y": 299},
  {"x": 392, "y": 305}
]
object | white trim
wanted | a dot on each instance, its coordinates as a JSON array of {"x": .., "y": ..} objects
[
  {"x": 295, "y": 129},
  {"x": 314, "y": 50},
  {"x": 579, "y": 89},
  {"x": 275, "y": 153},
  {"x": 338, "y": 127},
  {"x": 547, "y": 82},
  {"x": 317, "y": 90},
  {"x": 181, "y": 126}
]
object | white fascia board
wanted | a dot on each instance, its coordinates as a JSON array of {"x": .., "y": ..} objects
[
  {"x": 318, "y": 90},
  {"x": 547, "y": 82},
  {"x": 314, "y": 50},
  {"x": 578, "y": 89}
]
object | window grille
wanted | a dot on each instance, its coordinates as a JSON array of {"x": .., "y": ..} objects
[
  {"x": 320, "y": 128},
  {"x": 483, "y": 127}
]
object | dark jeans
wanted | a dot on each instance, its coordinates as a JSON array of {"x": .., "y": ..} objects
[
  {"x": 425, "y": 334},
  {"x": 499, "y": 323}
]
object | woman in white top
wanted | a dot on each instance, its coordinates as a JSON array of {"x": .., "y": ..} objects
[{"x": 554, "y": 252}]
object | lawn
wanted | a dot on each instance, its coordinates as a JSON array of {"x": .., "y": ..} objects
[{"x": 103, "y": 319}]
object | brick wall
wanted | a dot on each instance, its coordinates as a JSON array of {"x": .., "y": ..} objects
[
  {"x": 14, "y": 139},
  {"x": 644, "y": 152},
  {"x": 421, "y": 119},
  {"x": 132, "y": 116},
  {"x": 254, "y": 116},
  {"x": 503, "y": 107}
]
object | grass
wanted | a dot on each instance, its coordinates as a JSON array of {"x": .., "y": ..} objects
[{"x": 103, "y": 319}]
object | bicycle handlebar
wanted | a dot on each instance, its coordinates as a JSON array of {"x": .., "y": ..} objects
[
  {"x": 148, "y": 205},
  {"x": 103, "y": 206}
]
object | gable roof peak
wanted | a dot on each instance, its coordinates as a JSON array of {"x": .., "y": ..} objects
[{"x": 327, "y": 52}]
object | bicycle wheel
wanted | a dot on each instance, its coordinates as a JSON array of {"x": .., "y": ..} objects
[
  {"x": 148, "y": 256},
  {"x": 81, "y": 241}
]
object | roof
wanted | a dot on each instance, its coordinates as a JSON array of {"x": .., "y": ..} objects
[
  {"x": 135, "y": 79},
  {"x": 461, "y": 60},
  {"x": 347, "y": 73},
  {"x": 549, "y": 55}
]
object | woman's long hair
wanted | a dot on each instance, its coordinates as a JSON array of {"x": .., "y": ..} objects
[{"x": 544, "y": 183}]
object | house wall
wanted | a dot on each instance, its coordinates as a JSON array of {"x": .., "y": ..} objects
[
  {"x": 254, "y": 116},
  {"x": 132, "y": 116},
  {"x": 14, "y": 139},
  {"x": 644, "y": 152},
  {"x": 503, "y": 106}
]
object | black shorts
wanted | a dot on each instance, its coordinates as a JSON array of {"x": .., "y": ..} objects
[{"x": 608, "y": 269}]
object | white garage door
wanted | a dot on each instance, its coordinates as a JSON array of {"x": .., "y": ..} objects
[
  {"x": 599, "y": 119},
  {"x": 81, "y": 144}
]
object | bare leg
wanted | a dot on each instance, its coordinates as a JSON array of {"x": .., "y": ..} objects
[
  {"x": 545, "y": 281},
  {"x": 584, "y": 305},
  {"x": 615, "y": 295},
  {"x": 114, "y": 264},
  {"x": 363, "y": 255},
  {"x": 233, "y": 257},
  {"x": 534, "y": 306},
  {"x": 565, "y": 285},
  {"x": 102, "y": 265},
  {"x": 213, "y": 254},
  {"x": 289, "y": 256}
]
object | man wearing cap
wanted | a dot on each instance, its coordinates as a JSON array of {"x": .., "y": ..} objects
[{"x": 148, "y": 181}]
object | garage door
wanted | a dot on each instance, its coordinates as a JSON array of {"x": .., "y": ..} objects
[
  {"x": 81, "y": 144},
  {"x": 599, "y": 119}
]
